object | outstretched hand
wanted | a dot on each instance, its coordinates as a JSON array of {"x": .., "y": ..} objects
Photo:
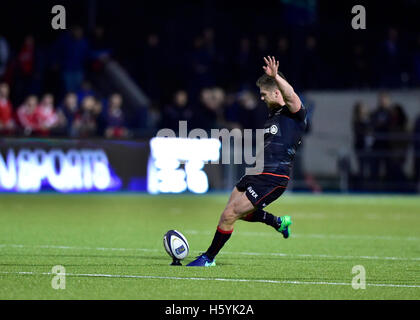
[{"x": 272, "y": 66}]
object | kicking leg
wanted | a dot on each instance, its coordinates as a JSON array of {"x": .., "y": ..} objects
[
  {"x": 237, "y": 207},
  {"x": 281, "y": 224},
  {"x": 260, "y": 215}
]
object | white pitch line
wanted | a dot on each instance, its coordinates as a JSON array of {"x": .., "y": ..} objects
[
  {"x": 322, "y": 256},
  {"x": 278, "y": 254},
  {"x": 314, "y": 235},
  {"x": 213, "y": 279},
  {"x": 75, "y": 248}
]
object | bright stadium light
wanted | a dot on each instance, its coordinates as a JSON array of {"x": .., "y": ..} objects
[{"x": 164, "y": 174}]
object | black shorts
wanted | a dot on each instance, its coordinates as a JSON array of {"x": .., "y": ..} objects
[{"x": 262, "y": 189}]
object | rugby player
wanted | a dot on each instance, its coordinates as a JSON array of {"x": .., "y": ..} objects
[{"x": 284, "y": 129}]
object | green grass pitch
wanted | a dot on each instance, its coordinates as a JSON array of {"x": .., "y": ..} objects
[{"x": 111, "y": 248}]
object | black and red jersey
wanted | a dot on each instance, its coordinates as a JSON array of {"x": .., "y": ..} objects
[{"x": 283, "y": 132}]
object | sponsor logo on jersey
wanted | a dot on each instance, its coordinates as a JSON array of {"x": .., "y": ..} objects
[{"x": 252, "y": 192}]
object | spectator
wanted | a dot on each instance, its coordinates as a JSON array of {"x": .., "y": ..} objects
[
  {"x": 100, "y": 50},
  {"x": 115, "y": 118},
  {"x": 389, "y": 61},
  {"x": 261, "y": 50},
  {"x": 380, "y": 121},
  {"x": 284, "y": 57},
  {"x": 210, "y": 110},
  {"x": 152, "y": 119},
  {"x": 47, "y": 118},
  {"x": 242, "y": 61},
  {"x": 27, "y": 115},
  {"x": 7, "y": 123},
  {"x": 252, "y": 114},
  {"x": 311, "y": 65},
  {"x": 99, "y": 113},
  {"x": 179, "y": 110},
  {"x": 219, "y": 97},
  {"x": 25, "y": 68},
  {"x": 217, "y": 56},
  {"x": 4, "y": 55},
  {"x": 202, "y": 62},
  {"x": 361, "y": 141},
  {"x": 84, "y": 124},
  {"x": 416, "y": 154},
  {"x": 151, "y": 68},
  {"x": 221, "y": 104},
  {"x": 84, "y": 91},
  {"x": 69, "y": 108},
  {"x": 416, "y": 62},
  {"x": 231, "y": 110},
  {"x": 73, "y": 53},
  {"x": 358, "y": 71},
  {"x": 398, "y": 146},
  {"x": 209, "y": 40}
]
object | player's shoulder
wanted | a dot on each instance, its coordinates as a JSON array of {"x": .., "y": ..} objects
[{"x": 299, "y": 115}]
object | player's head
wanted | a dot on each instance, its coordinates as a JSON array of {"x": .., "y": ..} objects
[
  {"x": 269, "y": 91},
  {"x": 4, "y": 90}
]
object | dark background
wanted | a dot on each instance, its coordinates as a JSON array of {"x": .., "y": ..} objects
[{"x": 127, "y": 24}]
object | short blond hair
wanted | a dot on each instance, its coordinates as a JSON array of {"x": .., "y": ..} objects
[{"x": 268, "y": 82}]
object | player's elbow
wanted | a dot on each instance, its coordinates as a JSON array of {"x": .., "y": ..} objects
[{"x": 293, "y": 101}]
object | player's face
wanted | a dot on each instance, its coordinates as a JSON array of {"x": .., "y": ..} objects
[{"x": 269, "y": 97}]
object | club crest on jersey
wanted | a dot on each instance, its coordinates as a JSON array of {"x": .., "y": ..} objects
[{"x": 274, "y": 129}]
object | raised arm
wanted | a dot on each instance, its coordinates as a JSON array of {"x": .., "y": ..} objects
[{"x": 291, "y": 99}]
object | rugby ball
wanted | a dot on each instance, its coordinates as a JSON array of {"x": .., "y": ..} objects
[{"x": 176, "y": 245}]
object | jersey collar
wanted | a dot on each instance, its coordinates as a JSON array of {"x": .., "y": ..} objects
[{"x": 276, "y": 110}]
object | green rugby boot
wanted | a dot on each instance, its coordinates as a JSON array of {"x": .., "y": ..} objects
[{"x": 284, "y": 223}]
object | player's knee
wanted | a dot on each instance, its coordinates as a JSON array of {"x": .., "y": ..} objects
[{"x": 229, "y": 216}]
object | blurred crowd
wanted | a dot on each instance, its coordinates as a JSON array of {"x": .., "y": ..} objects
[
  {"x": 204, "y": 81},
  {"x": 382, "y": 141},
  {"x": 307, "y": 60},
  {"x": 79, "y": 115},
  {"x": 82, "y": 114},
  {"x": 59, "y": 67},
  {"x": 46, "y": 91}
]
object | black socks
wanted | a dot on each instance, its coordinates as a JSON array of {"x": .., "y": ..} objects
[
  {"x": 222, "y": 236},
  {"x": 260, "y": 215},
  {"x": 219, "y": 240}
]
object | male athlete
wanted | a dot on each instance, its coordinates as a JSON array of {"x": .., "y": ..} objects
[{"x": 283, "y": 133}]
